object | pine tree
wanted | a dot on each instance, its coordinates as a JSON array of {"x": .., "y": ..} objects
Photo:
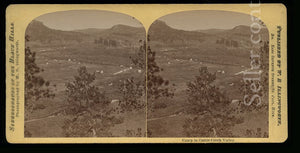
[
  {"x": 208, "y": 111},
  {"x": 82, "y": 93},
  {"x": 201, "y": 93},
  {"x": 156, "y": 86},
  {"x": 89, "y": 108}
]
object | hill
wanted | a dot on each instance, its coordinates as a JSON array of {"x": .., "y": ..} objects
[
  {"x": 164, "y": 36},
  {"x": 39, "y": 32},
  {"x": 121, "y": 34},
  {"x": 243, "y": 32},
  {"x": 161, "y": 33}
]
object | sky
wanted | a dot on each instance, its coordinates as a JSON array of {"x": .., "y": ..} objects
[
  {"x": 82, "y": 19},
  {"x": 202, "y": 20},
  {"x": 188, "y": 20}
]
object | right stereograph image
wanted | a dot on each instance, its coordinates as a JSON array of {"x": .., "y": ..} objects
[{"x": 207, "y": 75}]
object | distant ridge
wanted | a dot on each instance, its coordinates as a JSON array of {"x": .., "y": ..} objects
[
  {"x": 160, "y": 31},
  {"x": 166, "y": 36},
  {"x": 39, "y": 32}
]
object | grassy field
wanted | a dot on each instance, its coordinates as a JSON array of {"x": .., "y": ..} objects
[
  {"x": 180, "y": 66},
  {"x": 61, "y": 64}
]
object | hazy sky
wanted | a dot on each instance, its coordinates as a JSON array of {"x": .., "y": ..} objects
[
  {"x": 188, "y": 20},
  {"x": 82, "y": 19},
  {"x": 196, "y": 20}
]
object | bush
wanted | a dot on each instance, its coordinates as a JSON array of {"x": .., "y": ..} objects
[{"x": 132, "y": 93}]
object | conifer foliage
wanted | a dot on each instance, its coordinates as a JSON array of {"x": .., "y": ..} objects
[
  {"x": 208, "y": 111},
  {"x": 156, "y": 86},
  {"x": 82, "y": 92}
]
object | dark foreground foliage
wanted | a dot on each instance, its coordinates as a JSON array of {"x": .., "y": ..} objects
[{"x": 208, "y": 111}]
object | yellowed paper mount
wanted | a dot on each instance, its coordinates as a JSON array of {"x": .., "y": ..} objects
[{"x": 146, "y": 73}]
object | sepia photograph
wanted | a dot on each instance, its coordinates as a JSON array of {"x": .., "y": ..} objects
[
  {"x": 208, "y": 75},
  {"x": 83, "y": 77}
]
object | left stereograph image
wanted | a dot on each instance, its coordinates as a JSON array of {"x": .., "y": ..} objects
[{"x": 85, "y": 75}]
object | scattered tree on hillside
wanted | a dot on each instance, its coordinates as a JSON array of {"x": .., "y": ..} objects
[
  {"x": 209, "y": 114},
  {"x": 36, "y": 86}
]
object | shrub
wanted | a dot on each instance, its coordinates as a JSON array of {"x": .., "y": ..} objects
[
  {"x": 81, "y": 92},
  {"x": 132, "y": 92}
]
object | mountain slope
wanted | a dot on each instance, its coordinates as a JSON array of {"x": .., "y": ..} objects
[
  {"x": 244, "y": 32},
  {"x": 165, "y": 36},
  {"x": 125, "y": 35},
  {"x": 160, "y": 32},
  {"x": 37, "y": 31}
]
